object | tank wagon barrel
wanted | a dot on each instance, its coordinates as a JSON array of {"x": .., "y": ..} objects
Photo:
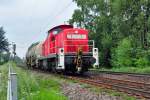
[{"x": 33, "y": 54}]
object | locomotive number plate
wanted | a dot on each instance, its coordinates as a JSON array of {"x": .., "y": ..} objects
[{"x": 76, "y": 36}]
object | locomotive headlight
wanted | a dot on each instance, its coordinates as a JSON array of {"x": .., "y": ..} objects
[
  {"x": 95, "y": 56},
  {"x": 95, "y": 51},
  {"x": 61, "y": 50},
  {"x": 61, "y": 58}
]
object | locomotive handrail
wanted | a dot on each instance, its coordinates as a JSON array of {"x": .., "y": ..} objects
[
  {"x": 92, "y": 41},
  {"x": 78, "y": 45},
  {"x": 78, "y": 40},
  {"x": 83, "y": 52},
  {"x": 90, "y": 45}
]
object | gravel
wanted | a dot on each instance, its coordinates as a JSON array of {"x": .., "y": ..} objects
[{"x": 75, "y": 91}]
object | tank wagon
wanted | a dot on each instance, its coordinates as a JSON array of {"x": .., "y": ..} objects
[{"x": 66, "y": 49}]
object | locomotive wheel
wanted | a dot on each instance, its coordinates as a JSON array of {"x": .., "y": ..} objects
[{"x": 53, "y": 69}]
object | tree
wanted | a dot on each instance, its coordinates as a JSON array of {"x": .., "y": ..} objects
[
  {"x": 111, "y": 21},
  {"x": 3, "y": 41},
  {"x": 94, "y": 16},
  {"x": 4, "y": 50}
]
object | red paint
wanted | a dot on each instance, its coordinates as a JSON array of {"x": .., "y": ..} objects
[{"x": 71, "y": 44}]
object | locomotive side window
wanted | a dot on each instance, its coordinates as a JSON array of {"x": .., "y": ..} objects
[{"x": 56, "y": 31}]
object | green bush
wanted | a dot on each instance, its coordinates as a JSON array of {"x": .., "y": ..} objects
[
  {"x": 141, "y": 62},
  {"x": 142, "y": 58},
  {"x": 121, "y": 55},
  {"x": 4, "y": 57}
]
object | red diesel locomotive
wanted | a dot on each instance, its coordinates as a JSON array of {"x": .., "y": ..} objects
[{"x": 65, "y": 49}]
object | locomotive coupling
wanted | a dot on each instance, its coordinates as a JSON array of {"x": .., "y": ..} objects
[{"x": 78, "y": 60}]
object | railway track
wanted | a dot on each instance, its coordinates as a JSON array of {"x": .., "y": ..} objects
[
  {"x": 145, "y": 78},
  {"x": 95, "y": 72},
  {"x": 137, "y": 89},
  {"x": 133, "y": 88}
]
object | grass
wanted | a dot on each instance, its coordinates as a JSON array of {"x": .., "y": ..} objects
[
  {"x": 142, "y": 70},
  {"x": 3, "y": 81},
  {"x": 132, "y": 69},
  {"x": 37, "y": 86}
]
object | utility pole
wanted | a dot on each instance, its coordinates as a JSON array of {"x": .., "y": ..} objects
[{"x": 14, "y": 51}]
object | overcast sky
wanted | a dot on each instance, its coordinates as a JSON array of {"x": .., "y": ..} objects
[{"x": 27, "y": 21}]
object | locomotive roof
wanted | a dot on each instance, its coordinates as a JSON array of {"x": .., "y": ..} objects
[{"x": 60, "y": 26}]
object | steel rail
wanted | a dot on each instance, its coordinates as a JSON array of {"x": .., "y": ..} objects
[
  {"x": 134, "y": 91},
  {"x": 141, "y": 84},
  {"x": 119, "y": 73}
]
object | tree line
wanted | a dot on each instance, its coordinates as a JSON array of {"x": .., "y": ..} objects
[
  {"x": 4, "y": 47},
  {"x": 120, "y": 28}
]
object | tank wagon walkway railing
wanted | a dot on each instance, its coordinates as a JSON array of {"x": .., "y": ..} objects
[{"x": 12, "y": 85}]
